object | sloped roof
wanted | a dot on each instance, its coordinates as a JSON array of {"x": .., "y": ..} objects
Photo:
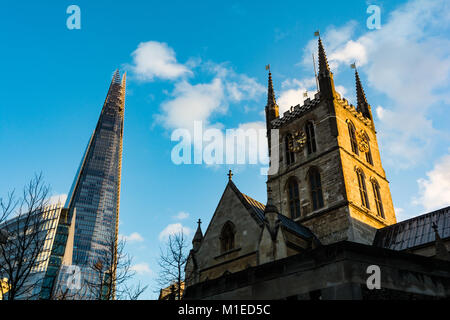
[
  {"x": 297, "y": 111},
  {"x": 414, "y": 232},
  {"x": 256, "y": 208}
]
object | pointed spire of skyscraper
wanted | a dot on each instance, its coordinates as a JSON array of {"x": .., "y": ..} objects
[
  {"x": 362, "y": 105},
  {"x": 99, "y": 219},
  {"x": 116, "y": 77}
]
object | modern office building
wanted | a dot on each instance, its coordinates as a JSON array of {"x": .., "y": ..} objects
[
  {"x": 42, "y": 241},
  {"x": 95, "y": 192}
]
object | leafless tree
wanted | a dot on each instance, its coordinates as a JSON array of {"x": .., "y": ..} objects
[
  {"x": 172, "y": 263},
  {"x": 22, "y": 238},
  {"x": 112, "y": 274}
]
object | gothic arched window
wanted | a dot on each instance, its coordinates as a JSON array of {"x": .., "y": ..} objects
[
  {"x": 294, "y": 198},
  {"x": 377, "y": 196},
  {"x": 289, "y": 154},
  {"x": 369, "y": 152},
  {"x": 227, "y": 237},
  {"x": 310, "y": 137},
  {"x": 352, "y": 134},
  {"x": 316, "y": 188},
  {"x": 362, "y": 188}
]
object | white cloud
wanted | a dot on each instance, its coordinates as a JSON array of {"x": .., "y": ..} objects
[
  {"x": 334, "y": 39},
  {"x": 408, "y": 61},
  {"x": 182, "y": 215},
  {"x": 134, "y": 237},
  {"x": 57, "y": 199},
  {"x": 292, "y": 92},
  {"x": 380, "y": 112},
  {"x": 142, "y": 268},
  {"x": 350, "y": 53},
  {"x": 244, "y": 88},
  {"x": 173, "y": 229},
  {"x": 434, "y": 191},
  {"x": 154, "y": 59},
  {"x": 200, "y": 102},
  {"x": 402, "y": 215},
  {"x": 193, "y": 103}
]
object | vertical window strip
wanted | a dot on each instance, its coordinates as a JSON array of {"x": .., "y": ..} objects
[
  {"x": 352, "y": 134},
  {"x": 294, "y": 199},
  {"x": 362, "y": 189},
  {"x": 227, "y": 238},
  {"x": 377, "y": 195},
  {"x": 289, "y": 154},
  {"x": 310, "y": 137},
  {"x": 316, "y": 188},
  {"x": 369, "y": 153}
]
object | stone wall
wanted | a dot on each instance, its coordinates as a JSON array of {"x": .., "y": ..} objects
[
  {"x": 211, "y": 261},
  {"x": 338, "y": 219},
  {"x": 337, "y": 271}
]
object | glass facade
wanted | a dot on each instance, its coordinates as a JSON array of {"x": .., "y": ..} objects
[
  {"x": 95, "y": 192},
  {"x": 46, "y": 229}
]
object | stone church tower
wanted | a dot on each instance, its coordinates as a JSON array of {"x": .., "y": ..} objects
[
  {"x": 328, "y": 216},
  {"x": 330, "y": 177}
]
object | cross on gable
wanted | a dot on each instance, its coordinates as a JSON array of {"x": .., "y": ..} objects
[{"x": 230, "y": 175}]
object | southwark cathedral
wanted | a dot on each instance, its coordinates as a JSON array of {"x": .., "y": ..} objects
[{"x": 328, "y": 229}]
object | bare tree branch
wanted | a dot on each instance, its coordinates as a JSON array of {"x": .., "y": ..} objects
[
  {"x": 24, "y": 235},
  {"x": 172, "y": 263},
  {"x": 113, "y": 273}
]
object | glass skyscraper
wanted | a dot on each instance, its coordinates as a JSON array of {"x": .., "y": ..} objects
[{"x": 95, "y": 192}]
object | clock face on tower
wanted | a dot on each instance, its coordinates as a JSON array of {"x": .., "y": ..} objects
[{"x": 297, "y": 141}]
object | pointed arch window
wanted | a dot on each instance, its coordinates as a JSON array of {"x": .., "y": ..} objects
[
  {"x": 362, "y": 188},
  {"x": 352, "y": 135},
  {"x": 316, "y": 188},
  {"x": 227, "y": 242},
  {"x": 310, "y": 137},
  {"x": 289, "y": 154},
  {"x": 377, "y": 196},
  {"x": 294, "y": 198},
  {"x": 369, "y": 152}
]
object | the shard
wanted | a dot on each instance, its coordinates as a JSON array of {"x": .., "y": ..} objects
[{"x": 95, "y": 192}]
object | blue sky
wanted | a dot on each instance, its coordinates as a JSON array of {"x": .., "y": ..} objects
[{"x": 204, "y": 60}]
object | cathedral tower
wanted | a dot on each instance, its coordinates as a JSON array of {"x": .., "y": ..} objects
[{"x": 330, "y": 175}]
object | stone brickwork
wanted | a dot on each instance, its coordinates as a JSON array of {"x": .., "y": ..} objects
[
  {"x": 211, "y": 262},
  {"x": 350, "y": 161},
  {"x": 337, "y": 271},
  {"x": 337, "y": 165}
]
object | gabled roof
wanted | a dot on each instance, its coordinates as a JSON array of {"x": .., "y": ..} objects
[
  {"x": 256, "y": 209},
  {"x": 414, "y": 232}
]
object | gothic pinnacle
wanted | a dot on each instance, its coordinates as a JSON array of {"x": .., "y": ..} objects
[
  {"x": 362, "y": 104},
  {"x": 325, "y": 78},
  {"x": 324, "y": 69},
  {"x": 271, "y": 101}
]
